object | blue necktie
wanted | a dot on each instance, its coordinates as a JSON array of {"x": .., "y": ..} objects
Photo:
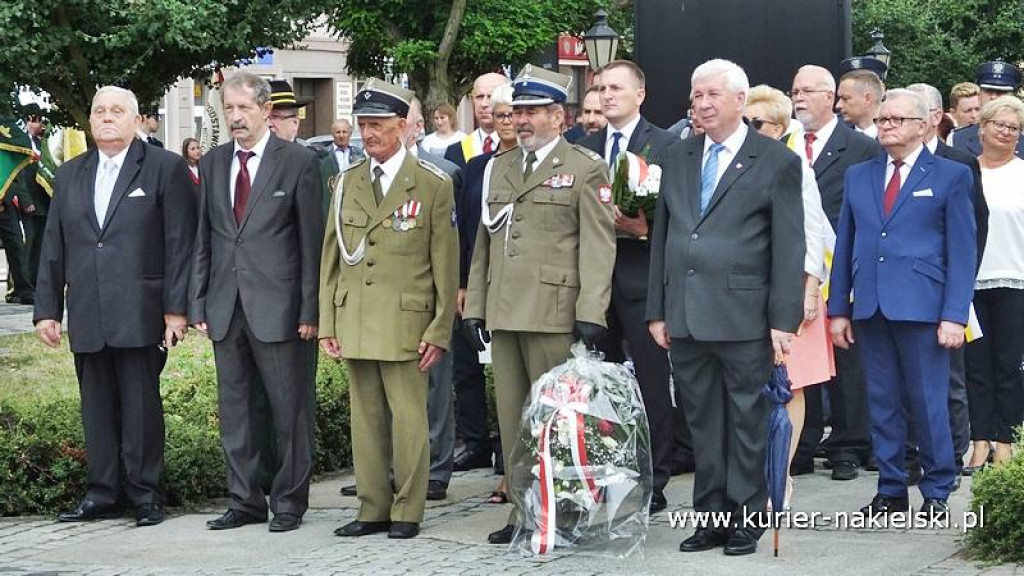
[
  {"x": 708, "y": 176},
  {"x": 616, "y": 136}
]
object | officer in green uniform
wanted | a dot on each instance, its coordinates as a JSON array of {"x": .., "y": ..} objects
[
  {"x": 542, "y": 265},
  {"x": 389, "y": 274}
]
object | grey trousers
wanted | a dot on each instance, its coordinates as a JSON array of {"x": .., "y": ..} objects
[{"x": 441, "y": 420}]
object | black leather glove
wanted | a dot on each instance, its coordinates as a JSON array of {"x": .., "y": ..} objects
[
  {"x": 475, "y": 331},
  {"x": 590, "y": 333}
]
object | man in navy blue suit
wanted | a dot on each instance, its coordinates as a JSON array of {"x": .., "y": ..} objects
[{"x": 906, "y": 249}]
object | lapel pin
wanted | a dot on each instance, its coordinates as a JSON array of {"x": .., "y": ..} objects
[
  {"x": 739, "y": 166},
  {"x": 555, "y": 161}
]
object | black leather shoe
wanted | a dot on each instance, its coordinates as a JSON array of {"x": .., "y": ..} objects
[
  {"x": 436, "y": 490},
  {"x": 740, "y": 542},
  {"x": 870, "y": 464},
  {"x": 503, "y": 536},
  {"x": 403, "y": 530},
  {"x": 956, "y": 483},
  {"x": 844, "y": 470},
  {"x": 934, "y": 509},
  {"x": 885, "y": 505},
  {"x": 358, "y": 528},
  {"x": 658, "y": 502},
  {"x": 349, "y": 490},
  {"x": 704, "y": 539},
  {"x": 88, "y": 510},
  {"x": 234, "y": 519},
  {"x": 471, "y": 460},
  {"x": 801, "y": 467},
  {"x": 149, "y": 514},
  {"x": 285, "y": 522}
]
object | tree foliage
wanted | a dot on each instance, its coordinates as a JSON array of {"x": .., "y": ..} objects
[
  {"x": 69, "y": 47},
  {"x": 940, "y": 42},
  {"x": 406, "y": 36}
]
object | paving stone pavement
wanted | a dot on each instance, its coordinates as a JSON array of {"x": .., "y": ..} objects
[{"x": 453, "y": 542}]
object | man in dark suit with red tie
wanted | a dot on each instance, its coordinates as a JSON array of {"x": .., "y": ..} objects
[
  {"x": 255, "y": 281},
  {"x": 831, "y": 146},
  {"x": 116, "y": 250}
]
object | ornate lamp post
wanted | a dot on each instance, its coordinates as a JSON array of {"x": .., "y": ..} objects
[{"x": 601, "y": 42}]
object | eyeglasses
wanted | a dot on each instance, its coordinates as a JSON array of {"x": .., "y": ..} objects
[
  {"x": 894, "y": 121},
  {"x": 800, "y": 91},
  {"x": 1004, "y": 127},
  {"x": 503, "y": 117},
  {"x": 757, "y": 123}
]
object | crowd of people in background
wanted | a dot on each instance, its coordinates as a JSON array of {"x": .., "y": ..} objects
[{"x": 846, "y": 228}]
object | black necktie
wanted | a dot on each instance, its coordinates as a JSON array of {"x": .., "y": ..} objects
[
  {"x": 378, "y": 192},
  {"x": 531, "y": 157}
]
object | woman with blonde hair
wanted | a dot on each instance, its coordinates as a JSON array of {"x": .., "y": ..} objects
[{"x": 446, "y": 130}]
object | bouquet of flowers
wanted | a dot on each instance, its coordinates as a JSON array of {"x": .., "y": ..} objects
[
  {"x": 635, "y": 185},
  {"x": 584, "y": 478}
]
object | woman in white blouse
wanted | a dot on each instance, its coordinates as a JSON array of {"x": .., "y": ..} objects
[
  {"x": 811, "y": 361},
  {"x": 446, "y": 130},
  {"x": 995, "y": 381}
]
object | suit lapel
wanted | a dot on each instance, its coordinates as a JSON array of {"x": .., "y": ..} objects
[
  {"x": 639, "y": 138},
  {"x": 741, "y": 164},
  {"x": 398, "y": 193},
  {"x": 514, "y": 172},
  {"x": 546, "y": 168},
  {"x": 264, "y": 175},
  {"x": 878, "y": 179},
  {"x": 830, "y": 153},
  {"x": 87, "y": 183},
  {"x": 136, "y": 154},
  {"x": 918, "y": 171},
  {"x": 694, "y": 159},
  {"x": 359, "y": 186}
]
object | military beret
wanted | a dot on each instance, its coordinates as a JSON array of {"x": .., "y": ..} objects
[
  {"x": 381, "y": 99},
  {"x": 282, "y": 95},
  {"x": 863, "y": 63},
  {"x": 997, "y": 75},
  {"x": 536, "y": 86}
]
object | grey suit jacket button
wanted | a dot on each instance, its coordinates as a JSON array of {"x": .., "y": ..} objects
[
  {"x": 691, "y": 272},
  {"x": 99, "y": 244},
  {"x": 694, "y": 236}
]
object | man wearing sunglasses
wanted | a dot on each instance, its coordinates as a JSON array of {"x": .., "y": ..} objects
[{"x": 831, "y": 146}]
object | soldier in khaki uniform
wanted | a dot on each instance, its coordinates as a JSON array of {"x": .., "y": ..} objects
[
  {"x": 542, "y": 265},
  {"x": 389, "y": 273}
]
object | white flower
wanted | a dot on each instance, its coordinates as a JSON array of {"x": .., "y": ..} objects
[
  {"x": 535, "y": 470},
  {"x": 609, "y": 442},
  {"x": 652, "y": 184}
]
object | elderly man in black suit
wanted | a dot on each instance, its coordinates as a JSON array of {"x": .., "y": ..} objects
[
  {"x": 725, "y": 292},
  {"x": 255, "y": 281},
  {"x": 117, "y": 247},
  {"x": 622, "y": 91},
  {"x": 959, "y": 419},
  {"x": 831, "y": 146}
]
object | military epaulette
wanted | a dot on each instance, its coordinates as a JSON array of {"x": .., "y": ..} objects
[
  {"x": 503, "y": 152},
  {"x": 358, "y": 162},
  {"x": 433, "y": 169},
  {"x": 588, "y": 153}
]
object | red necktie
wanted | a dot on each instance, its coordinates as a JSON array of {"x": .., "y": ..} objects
[
  {"x": 243, "y": 186},
  {"x": 809, "y": 138},
  {"x": 892, "y": 190},
  {"x": 488, "y": 144}
]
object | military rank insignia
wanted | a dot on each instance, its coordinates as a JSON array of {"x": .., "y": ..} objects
[
  {"x": 604, "y": 193},
  {"x": 560, "y": 181},
  {"x": 405, "y": 217}
]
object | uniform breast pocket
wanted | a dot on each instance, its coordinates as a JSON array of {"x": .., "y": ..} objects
[
  {"x": 555, "y": 208},
  {"x": 353, "y": 226}
]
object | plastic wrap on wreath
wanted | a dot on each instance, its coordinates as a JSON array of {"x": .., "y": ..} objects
[{"x": 584, "y": 480}]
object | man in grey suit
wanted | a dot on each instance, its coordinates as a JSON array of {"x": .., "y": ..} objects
[
  {"x": 116, "y": 246},
  {"x": 255, "y": 281},
  {"x": 725, "y": 289}
]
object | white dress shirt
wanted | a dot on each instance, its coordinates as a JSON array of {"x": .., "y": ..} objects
[
  {"x": 732, "y": 145},
  {"x": 871, "y": 131},
  {"x": 107, "y": 170},
  {"x": 342, "y": 157},
  {"x": 541, "y": 153},
  {"x": 391, "y": 166},
  {"x": 908, "y": 165},
  {"x": 627, "y": 134},
  {"x": 253, "y": 164},
  {"x": 480, "y": 136}
]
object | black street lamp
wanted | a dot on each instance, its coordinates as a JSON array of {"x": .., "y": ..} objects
[
  {"x": 879, "y": 51},
  {"x": 601, "y": 42}
]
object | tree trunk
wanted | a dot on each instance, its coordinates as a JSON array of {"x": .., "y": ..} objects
[{"x": 438, "y": 79}]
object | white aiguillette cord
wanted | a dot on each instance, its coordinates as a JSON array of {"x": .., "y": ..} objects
[
  {"x": 503, "y": 217},
  {"x": 357, "y": 256}
]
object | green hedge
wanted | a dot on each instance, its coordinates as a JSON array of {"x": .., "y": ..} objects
[
  {"x": 42, "y": 456},
  {"x": 999, "y": 491}
]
